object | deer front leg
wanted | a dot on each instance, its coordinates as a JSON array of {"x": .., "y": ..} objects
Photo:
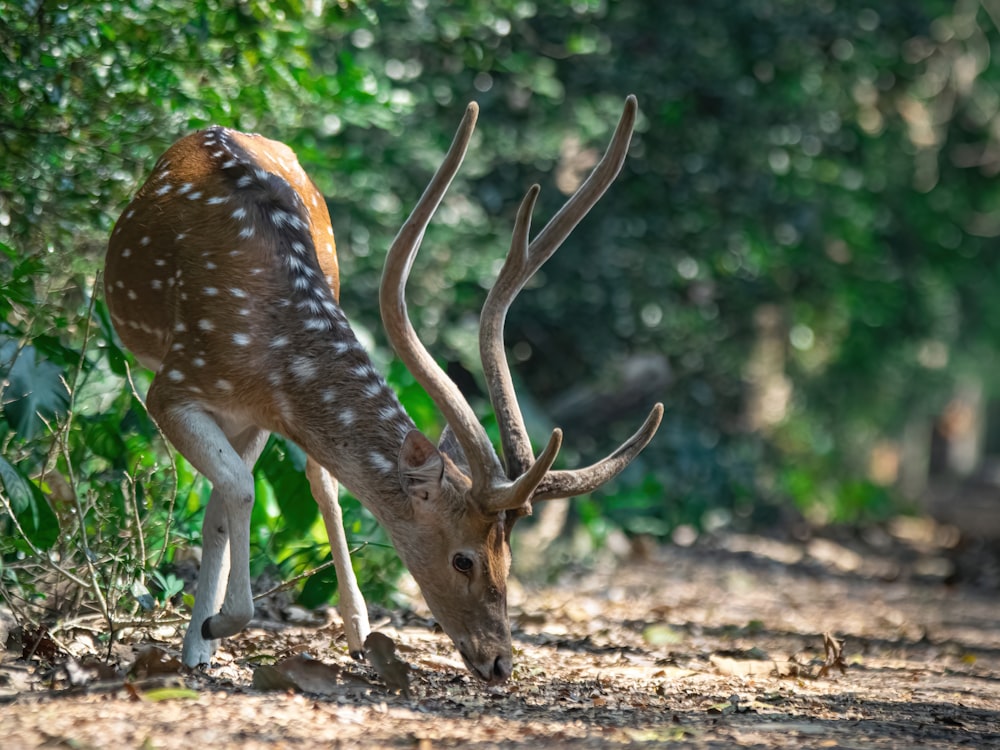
[{"x": 353, "y": 610}]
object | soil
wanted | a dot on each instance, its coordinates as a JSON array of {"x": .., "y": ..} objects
[{"x": 881, "y": 641}]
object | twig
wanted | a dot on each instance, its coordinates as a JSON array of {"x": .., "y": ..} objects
[
  {"x": 82, "y": 623},
  {"x": 20, "y": 614},
  {"x": 129, "y": 482},
  {"x": 173, "y": 469},
  {"x": 292, "y": 581},
  {"x": 34, "y": 550},
  {"x": 64, "y": 449}
]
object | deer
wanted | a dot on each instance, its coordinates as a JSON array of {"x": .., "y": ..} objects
[{"x": 221, "y": 277}]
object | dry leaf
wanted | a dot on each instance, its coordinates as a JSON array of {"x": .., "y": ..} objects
[
  {"x": 381, "y": 652},
  {"x": 82, "y": 672},
  {"x": 155, "y": 660},
  {"x": 741, "y": 667},
  {"x": 834, "y": 651},
  {"x": 300, "y": 672}
]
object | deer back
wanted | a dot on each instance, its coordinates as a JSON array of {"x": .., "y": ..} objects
[{"x": 218, "y": 261}]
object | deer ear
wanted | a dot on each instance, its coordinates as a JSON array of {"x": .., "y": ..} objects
[{"x": 421, "y": 467}]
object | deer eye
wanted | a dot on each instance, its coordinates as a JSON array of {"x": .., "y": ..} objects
[{"x": 462, "y": 563}]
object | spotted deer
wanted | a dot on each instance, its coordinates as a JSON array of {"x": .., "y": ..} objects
[{"x": 222, "y": 277}]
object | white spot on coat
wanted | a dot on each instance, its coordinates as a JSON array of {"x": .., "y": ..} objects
[
  {"x": 381, "y": 464},
  {"x": 317, "y": 324},
  {"x": 303, "y": 368}
]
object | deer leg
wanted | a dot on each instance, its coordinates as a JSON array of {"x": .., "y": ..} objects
[
  {"x": 226, "y": 461},
  {"x": 215, "y": 567},
  {"x": 353, "y": 610},
  {"x": 224, "y": 609}
]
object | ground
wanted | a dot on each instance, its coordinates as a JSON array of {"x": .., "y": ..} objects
[{"x": 732, "y": 642}]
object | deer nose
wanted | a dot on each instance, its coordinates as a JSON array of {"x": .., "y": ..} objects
[
  {"x": 501, "y": 669},
  {"x": 491, "y": 672}
]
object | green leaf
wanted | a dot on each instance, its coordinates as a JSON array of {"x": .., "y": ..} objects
[
  {"x": 30, "y": 507},
  {"x": 319, "y": 588},
  {"x": 159, "y": 695},
  {"x": 283, "y": 463},
  {"x": 34, "y": 390},
  {"x": 103, "y": 436}
]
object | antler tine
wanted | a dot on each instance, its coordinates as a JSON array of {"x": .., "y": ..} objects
[
  {"x": 524, "y": 487},
  {"x": 523, "y": 260},
  {"x": 515, "y": 272},
  {"x": 392, "y": 302},
  {"x": 558, "y": 484}
]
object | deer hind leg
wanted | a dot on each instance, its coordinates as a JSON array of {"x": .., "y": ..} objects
[
  {"x": 223, "y": 601},
  {"x": 225, "y": 458},
  {"x": 353, "y": 610}
]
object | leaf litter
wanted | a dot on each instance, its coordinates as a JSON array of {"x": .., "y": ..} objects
[{"x": 703, "y": 646}]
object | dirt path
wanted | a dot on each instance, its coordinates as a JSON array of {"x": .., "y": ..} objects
[{"x": 716, "y": 646}]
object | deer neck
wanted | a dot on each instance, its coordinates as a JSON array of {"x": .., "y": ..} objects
[{"x": 352, "y": 422}]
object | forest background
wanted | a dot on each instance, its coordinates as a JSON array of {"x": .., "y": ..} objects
[{"x": 798, "y": 258}]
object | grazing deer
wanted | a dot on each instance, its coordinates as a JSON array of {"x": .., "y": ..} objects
[{"x": 222, "y": 277}]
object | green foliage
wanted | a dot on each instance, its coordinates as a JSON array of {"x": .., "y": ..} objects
[
  {"x": 36, "y": 522},
  {"x": 805, "y": 223}
]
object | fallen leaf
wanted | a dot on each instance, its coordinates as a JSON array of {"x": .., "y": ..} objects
[
  {"x": 155, "y": 660},
  {"x": 271, "y": 677},
  {"x": 36, "y": 643},
  {"x": 834, "y": 650},
  {"x": 741, "y": 667},
  {"x": 158, "y": 695},
  {"x": 381, "y": 652},
  {"x": 300, "y": 672},
  {"x": 84, "y": 671},
  {"x": 661, "y": 635}
]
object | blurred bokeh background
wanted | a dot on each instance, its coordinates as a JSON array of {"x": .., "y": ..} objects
[{"x": 799, "y": 258}]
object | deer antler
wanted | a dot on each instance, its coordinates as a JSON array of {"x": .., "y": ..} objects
[
  {"x": 488, "y": 479},
  {"x": 523, "y": 261},
  {"x": 526, "y": 477}
]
